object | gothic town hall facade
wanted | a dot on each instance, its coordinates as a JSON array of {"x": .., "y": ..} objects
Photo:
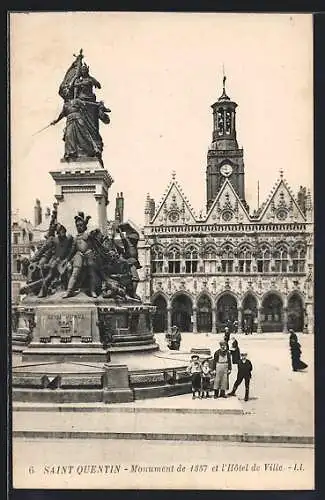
[{"x": 229, "y": 264}]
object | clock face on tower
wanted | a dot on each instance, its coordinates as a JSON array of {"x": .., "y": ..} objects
[{"x": 226, "y": 170}]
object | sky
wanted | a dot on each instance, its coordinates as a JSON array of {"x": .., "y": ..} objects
[{"x": 160, "y": 73}]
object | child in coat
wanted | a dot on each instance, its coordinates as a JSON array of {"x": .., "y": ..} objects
[
  {"x": 194, "y": 369},
  {"x": 205, "y": 379}
]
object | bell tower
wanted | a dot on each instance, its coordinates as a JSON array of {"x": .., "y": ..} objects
[{"x": 225, "y": 159}]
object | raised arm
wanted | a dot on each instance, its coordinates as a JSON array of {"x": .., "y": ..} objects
[{"x": 61, "y": 115}]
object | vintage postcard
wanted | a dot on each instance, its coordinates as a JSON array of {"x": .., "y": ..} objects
[{"x": 162, "y": 233}]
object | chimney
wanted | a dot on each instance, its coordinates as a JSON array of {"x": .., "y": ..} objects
[
  {"x": 119, "y": 208},
  {"x": 37, "y": 213},
  {"x": 149, "y": 210}
]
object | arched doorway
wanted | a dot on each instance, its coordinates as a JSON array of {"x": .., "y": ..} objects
[
  {"x": 295, "y": 313},
  {"x": 182, "y": 313},
  {"x": 204, "y": 314},
  {"x": 159, "y": 320},
  {"x": 249, "y": 314},
  {"x": 227, "y": 311},
  {"x": 272, "y": 314}
]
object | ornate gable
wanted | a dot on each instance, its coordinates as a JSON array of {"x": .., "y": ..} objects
[
  {"x": 174, "y": 207},
  {"x": 227, "y": 207},
  {"x": 281, "y": 205}
]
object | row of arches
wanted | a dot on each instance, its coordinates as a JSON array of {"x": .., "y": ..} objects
[
  {"x": 228, "y": 258},
  {"x": 210, "y": 249},
  {"x": 270, "y": 317}
]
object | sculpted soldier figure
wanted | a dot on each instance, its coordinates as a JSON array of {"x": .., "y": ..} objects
[
  {"x": 130, "y": 238},
  {"x": 45, "y": 265},
  {"x": 82, "y": 257},
  {"x": 42, "y": 268},
  {"x": 61, "y": 248}
]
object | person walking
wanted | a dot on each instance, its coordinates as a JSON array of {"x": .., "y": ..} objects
[
  {"x": 295, "y": 351},
  {"x": 245, "y": 368},
  {"x": 222, "y": 368}
]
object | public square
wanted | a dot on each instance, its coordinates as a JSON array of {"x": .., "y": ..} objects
[
  {"x": 275, "y": 425},
  {"x": 214, "y": 231}
]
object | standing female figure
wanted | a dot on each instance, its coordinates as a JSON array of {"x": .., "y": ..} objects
[{"x": 295, "y": 350}]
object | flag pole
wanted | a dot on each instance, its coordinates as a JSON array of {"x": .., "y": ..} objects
[{"x": 258, "y": 195}]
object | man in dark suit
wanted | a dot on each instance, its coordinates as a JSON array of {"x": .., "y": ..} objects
[{"x": 245, "y": 368}]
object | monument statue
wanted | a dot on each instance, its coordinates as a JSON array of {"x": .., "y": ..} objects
[
  {"x": 81, "y": 303},
  {"x": 91, "y": 262},
  {"x": 82, "y": 112}
]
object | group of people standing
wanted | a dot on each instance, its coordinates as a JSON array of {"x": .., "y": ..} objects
[
  {"x": 216, "y": 370},
  {"x": 213, "y": 373},
  {"x": 248, "y": 325}
]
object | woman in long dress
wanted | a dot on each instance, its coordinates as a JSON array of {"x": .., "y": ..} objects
[
  {"x": 295, "y": 351},
  {"x": 222, "y": 368},
  {"x": 81, "y": 134}
]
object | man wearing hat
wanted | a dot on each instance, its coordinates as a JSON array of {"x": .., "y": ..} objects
[
  {"x": 245, "y": 368},
  {"x": 195, "y": 371},
  {"x": 174, "y": 339},
  {"x": 222, "y": 368}
]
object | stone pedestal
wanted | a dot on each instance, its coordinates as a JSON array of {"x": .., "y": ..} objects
[
  {"x": 82, "y": 186},
  {"x": 116, "y": 387},
  {"x": 65, "y": 332},
  {"x": 126, "y": 327}
]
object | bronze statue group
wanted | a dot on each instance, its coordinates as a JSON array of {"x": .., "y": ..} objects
[{"x": 91, "y": 262}]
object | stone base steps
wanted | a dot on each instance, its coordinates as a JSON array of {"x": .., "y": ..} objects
[
  {"x": 161, "y": 436},
  {"x": 92, "y": 394},
  {"x": 132, "y": 343},
  {"x": 123, "y": 408},
  {"x": 120, "y": 348}
]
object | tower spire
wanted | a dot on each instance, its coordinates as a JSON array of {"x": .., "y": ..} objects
[
  {"x": 225, "y": 158},
  {"x": 224, "y": 78}
]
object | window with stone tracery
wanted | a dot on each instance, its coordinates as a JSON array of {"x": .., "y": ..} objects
[
  {"x": 157, "y": 260},
  {"x": 263, "y": 260},
  {"x": 281, "y": 261},
  {"x": 227, "y": 259},
  {"x": 174, "y": 261},
  {"x": 244, "y": 260},
  {"x": 210, "y": 260},
  {"x": 191, "y": 260},
  {"x": 298, "y": 259}
]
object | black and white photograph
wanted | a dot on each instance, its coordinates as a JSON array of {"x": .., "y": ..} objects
[{"x": 162, "y": 250}]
